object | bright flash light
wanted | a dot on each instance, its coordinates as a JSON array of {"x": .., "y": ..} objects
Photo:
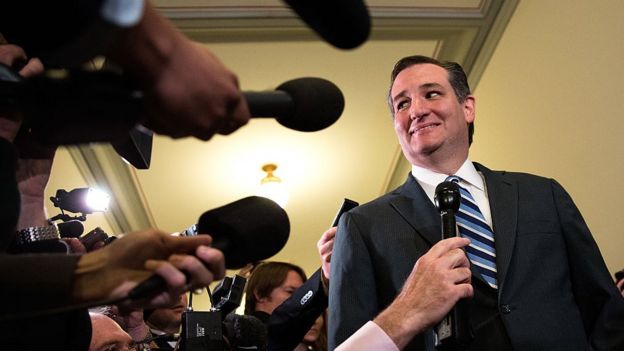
[{"x": 97, "y": 200}]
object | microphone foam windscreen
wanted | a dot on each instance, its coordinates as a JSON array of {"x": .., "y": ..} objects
[
  {"x": 345, "y": 24},
  {"x": 318, "y": 103},
  {"x": 248, "y": 230},
  {"x": 245, "y": 332}
]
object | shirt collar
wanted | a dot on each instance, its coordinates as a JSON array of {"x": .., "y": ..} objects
[{"x": 467, "y": 172}]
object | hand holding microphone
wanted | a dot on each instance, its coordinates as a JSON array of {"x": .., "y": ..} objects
[
  {"x": 111, "y": 272},
  {"x": 245, "y": 231}
]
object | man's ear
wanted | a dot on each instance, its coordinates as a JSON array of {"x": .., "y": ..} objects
[{"x": 469, "y": 107}]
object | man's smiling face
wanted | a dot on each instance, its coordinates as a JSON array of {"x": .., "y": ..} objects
[{"x": 429, "y": 120}]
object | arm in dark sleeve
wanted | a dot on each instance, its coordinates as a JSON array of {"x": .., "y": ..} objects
[
  {"x": 352, "y": 288},
  {"x": 36, "y": 282},
  {"x": 291, "y": 320},
  {"x": 600, "y": 304},
  {"x": 42, "y": 27}
]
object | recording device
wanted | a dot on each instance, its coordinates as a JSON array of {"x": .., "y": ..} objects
[
  {"x": 344, "y": 23},
  {"x": 453, "y": 332},
  {"x": 248, "y": 230},
  {"x": 204, "y": 331},
  {"x": 227, "y": 296},
  {"x": 346, "y": 206},
  {"x": 220, "y": 329}
]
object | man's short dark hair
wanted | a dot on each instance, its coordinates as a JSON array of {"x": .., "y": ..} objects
[
  {"x": 264, "y": 278},
  {"x": 456, "y": 76}
]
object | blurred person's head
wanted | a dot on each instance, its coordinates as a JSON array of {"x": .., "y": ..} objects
[
  {"x": 107, "y": 335},
  {"x": 270, "y": 284},
  {"x": 316, "y": 337},
  {"x": 168, "y": 320}
]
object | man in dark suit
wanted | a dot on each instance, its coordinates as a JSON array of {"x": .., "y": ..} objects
[{"x": 539, "y": 280}]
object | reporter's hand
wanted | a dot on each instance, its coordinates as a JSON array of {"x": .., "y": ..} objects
[
  {"x": 10, "y": 121},
  {"x": 195, "y": 95},
  {"x": 325, "y": 247},
  {"x": 188, "y": 91},
  {"x": 438, "y": 280},
  {"x": 114, "y": 270},
  {"x": 620, "y": 286}
]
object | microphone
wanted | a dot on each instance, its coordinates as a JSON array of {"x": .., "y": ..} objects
[
  {"x": 447, "y": 199},
  {"x": 453, "y": 332},
  {"x": 344, "y": 24},
  {"x": 304, "y": 104},
  {"x": 81, "y": 107},
  {"x": 70, "y": 229},
  {"x": 245, "y": 332},
  {"x": 247, "y": 230}
]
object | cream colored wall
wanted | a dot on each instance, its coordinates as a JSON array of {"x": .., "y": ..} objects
[{"x": 551, "y": 102}]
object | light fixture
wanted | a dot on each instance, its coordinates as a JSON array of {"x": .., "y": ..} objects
[
  {"x": 81, "y": 200},
  {"x": 271, "y": 186}
]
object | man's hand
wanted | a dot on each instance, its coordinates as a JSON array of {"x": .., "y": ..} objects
[
  {"x": 325, "y": 246},
  {"x": 188, "y": 91},
  {"x": 620, "y": 286},
  {"x": 114, "y": 270},
  {"x": 10, "y": 54},
  {"x": 438, "y": 280}
]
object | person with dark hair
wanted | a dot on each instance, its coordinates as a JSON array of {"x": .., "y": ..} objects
[
  {"x": 538, "y": 280},
  {"x": 294, "y": 319},
  {"x": 270, "y": 284}
]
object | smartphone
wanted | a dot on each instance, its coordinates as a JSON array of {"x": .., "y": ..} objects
[{"x": 346, "y": 206}]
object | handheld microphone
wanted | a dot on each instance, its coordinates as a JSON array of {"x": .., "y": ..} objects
[
  {"x": 344, "y": 24},
  {"x": 247, "y": 230},
  {"x": 453, "y": 332},
  {"x": 448, "y": 199},
  {"x": 245, "y": 332},
  {"x": 81, "y": 107},
  {"x": 304, "y": 104}
]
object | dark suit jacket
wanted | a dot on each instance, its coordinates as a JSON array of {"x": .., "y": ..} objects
[
  {"x": 555, "y": 292},
  {"x": 291, "y": 320}
]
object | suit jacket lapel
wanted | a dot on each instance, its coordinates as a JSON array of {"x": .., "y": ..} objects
[
  {"x": 503, "y": 197},
  {"x": 415, "y": 208}
]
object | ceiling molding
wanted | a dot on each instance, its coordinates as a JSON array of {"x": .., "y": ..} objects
[{"x": 102, "y": 167}]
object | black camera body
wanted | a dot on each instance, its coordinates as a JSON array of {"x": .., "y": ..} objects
[
  {"x": 201, "y": 331},
  {"x": 204, "y": 331}
]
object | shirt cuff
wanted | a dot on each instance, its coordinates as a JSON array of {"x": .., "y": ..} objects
[{"x": 369, "y": 337}]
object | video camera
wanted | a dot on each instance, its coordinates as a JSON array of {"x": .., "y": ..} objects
[{"x": 220, "y": 329}]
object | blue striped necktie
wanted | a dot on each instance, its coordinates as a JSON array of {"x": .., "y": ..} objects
[{"x": 472, "y": 225}]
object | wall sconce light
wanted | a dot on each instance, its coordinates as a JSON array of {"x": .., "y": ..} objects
[{"x": 271, "y": 186}]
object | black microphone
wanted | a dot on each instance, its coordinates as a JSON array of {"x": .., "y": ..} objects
[
  {"x": 345, "y": 24},
  {"x": 247, "y": 230},
  {"x": 448, "y": 199},
  {"x": 453, "y": 332},
  {"x": 245, "y": 332},
  {"x": 304, "y": 104},
  {"x": 70, "y": 229}
]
